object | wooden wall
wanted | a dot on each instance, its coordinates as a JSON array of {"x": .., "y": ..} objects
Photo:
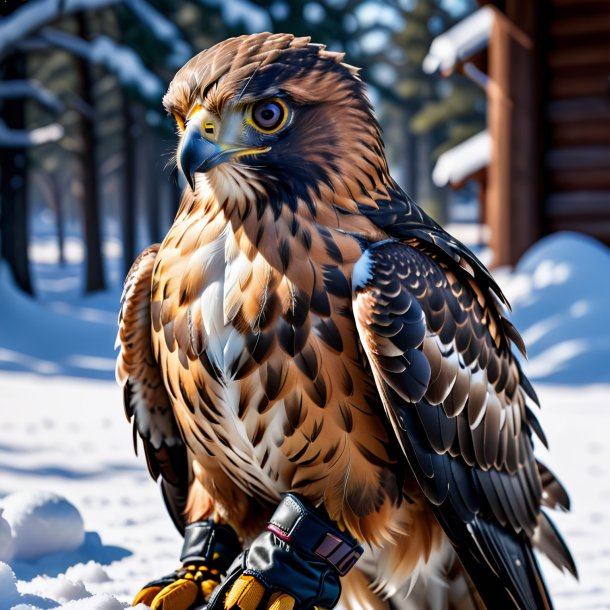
[
  {"x": 549, "y": 117},
  {"x": 577, "y": 156}
]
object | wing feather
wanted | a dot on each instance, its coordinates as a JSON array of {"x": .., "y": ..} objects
[
  {"x": 456, "y": 399},
  {"x": 145, "y": 398}
]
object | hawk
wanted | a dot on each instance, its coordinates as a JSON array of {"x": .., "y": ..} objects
[{"x": 316, "y": 367}]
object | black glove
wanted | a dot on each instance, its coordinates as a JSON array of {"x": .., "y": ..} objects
[
  {"x": 207, "y": 552},
  {"x": 295, "y": 564}
]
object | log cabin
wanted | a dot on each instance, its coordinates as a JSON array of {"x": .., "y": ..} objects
[{"x": 543, "y": 164}]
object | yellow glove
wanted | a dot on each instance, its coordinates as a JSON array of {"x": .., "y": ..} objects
[
  {"x": 186, "y": 588},
  {"x": 208, "y": 550}
]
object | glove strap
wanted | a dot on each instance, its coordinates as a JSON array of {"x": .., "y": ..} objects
[
  {"x": 214, "y": 544},
  {"x": 306, "y": 529}
]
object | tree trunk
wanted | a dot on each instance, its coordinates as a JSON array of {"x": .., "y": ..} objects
[
  {"x": 429, "y": 196},
  {"x": 410, "y": 156},
  {"x": 59, "y": 217},
  {"x": 94, "y": 276},
  {"x": 130, "y": 195},
  {"x": 153, "y": 189},
  {"x": 13, "y": 182}
]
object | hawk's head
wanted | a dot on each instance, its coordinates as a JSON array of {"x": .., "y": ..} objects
[{"x": 273, "y": 117}]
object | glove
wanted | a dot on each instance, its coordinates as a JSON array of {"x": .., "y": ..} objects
[
  {"x": 295, "y": 564},
  {"x": 207, "y": 552}
]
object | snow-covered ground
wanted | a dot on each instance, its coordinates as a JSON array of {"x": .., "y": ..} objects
[{"x": 63, "y": 431}]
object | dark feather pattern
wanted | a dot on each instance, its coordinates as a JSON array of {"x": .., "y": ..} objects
[
  {"x": 445, "y": 380},
  {"x": 144, "y": 395}
]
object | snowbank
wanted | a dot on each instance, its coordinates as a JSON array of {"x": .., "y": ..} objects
[
  {"x": 57, "y": 339},
  {"x": 53, "y": 593},
  {"x": 10, "y": 597},
  {"x": 560, "y": 293},
  {"x": 6, "y": 539}
]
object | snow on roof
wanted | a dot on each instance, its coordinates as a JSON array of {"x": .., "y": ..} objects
[
  {"x": 463, "y": 160},
  {"x": 461, "y": 41}
]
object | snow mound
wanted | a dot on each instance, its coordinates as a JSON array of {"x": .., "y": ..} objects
[
  {"x": 6, "y": 539},
  {"x": 42, "y": 523},
  {"x": 12, "y": 599},
  {"x": 90, "y": 572},
  {"x": 98, "y": 602},
  {"x": 60, "y": 589},
  {"x": 8, "y": 585},
  {"x": 560, "y": 293}
]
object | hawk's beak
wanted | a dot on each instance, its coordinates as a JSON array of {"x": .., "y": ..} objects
[{"x": 198, "y": 154}]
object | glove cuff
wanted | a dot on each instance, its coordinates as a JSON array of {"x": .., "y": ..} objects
[
  {"x": 214, "y": 544},
  {"x": 301, "y": 525}
]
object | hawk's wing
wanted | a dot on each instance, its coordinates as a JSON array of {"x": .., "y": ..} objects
[
  {"x": 456, "y": 399},
  {"x": 145, "y": 398}
]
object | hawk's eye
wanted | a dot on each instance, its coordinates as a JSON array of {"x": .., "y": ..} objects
[{"x": 270, "y": 115}]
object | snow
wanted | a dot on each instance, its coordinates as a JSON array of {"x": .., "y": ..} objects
[
  {"x": 463, "y": 160},
  {"x": 560, "y": 292},
  {"x": 64, "y": 432},
  {"x": 460, "y": 42},
  {"x": 6, "y": 539},
  {"x": 21, "y": 138},
  {"x": 41, "y": 523},
  {"x": 33, "y": 15},
  {"x": 240, "y": 12},
  {"x": 36, "y": 338},
  {"x": 33, "y": 89},
  {"x": 122, "y": 61},
  {"x": 164, "y": 30}
]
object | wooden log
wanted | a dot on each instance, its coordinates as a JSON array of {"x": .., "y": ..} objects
[
  {"x": 578, "y": 41},
  {"x": 580, "y": 133},
  {"x": 599, "y": 230},
  {"x": 579, "y": 109},
  {"x": 593, "y": 23},
  {"x": 579, "y": 205},
  {"x": 579, "y": 180},
  {"x": 565, "y": 85},
  {"x": 589, "y": 55},
  {"x": 578, "y": 157}
]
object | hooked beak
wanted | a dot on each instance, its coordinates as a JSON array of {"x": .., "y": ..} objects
[{"x": 198, "y": 154}]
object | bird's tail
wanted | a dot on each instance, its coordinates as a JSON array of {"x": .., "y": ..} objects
[{"x": 503, "y": 568}]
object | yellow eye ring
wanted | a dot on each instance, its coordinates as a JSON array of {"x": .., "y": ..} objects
[{"x": 268, "y": 116}]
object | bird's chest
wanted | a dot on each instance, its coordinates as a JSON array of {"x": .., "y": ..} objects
[{"x": 266, "y": 371}]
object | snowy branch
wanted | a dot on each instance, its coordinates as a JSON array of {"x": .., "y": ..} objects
[
  {"x": 163, "y": 29},
  {"x": 33, "y": 16},
  {"x": 121, "y": 61},
  {"x": 31, "y": 89},
  {"x": 21, "y": 138},
  {"x": 251, "y": 16}
]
